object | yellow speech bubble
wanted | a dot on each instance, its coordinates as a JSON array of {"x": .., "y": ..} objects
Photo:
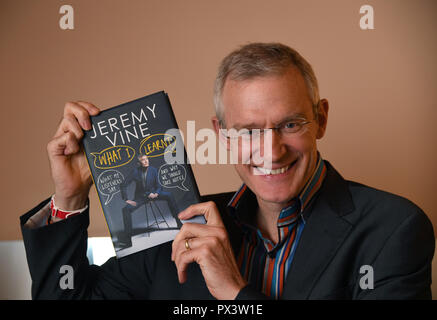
[
  {"x": 113, "y": 157},
  {"x": 157, "y": 145}
]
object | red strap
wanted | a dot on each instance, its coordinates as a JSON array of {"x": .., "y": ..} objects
[{"x": 57, "y": 213}]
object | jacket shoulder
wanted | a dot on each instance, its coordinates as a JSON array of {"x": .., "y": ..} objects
[{"x": 385, "y": 207}]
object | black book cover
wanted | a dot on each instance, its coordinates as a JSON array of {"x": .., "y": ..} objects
[{"x": 140, "y": 170}]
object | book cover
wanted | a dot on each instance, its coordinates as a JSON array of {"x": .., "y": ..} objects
[{"x": 134, "y": 152}]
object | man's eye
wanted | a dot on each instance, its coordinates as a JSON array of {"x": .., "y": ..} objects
[
  {"x": 291, "y": 125},
  {"x": 255, "y": 132},
  {"x": 246, "y": 133}
]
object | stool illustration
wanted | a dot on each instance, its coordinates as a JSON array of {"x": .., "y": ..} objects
[{"x": 159, "y": 219}]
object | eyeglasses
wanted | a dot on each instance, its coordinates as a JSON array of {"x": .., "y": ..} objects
[{"x": 291, "y": 128}]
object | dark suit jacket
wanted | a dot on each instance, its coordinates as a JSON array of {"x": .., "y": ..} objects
[
  {"x": 151, "y": 184},
  {"x": 348, "y": 225}
]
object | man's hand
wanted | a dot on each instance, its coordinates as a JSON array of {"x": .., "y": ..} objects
[
  {"x": 153, "y": 195},
  {"x": 209, "y": 246},
  {"x": 68, "y": 164},
  {"x": 131, "y": 202}
]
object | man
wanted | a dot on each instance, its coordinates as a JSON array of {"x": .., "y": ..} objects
[
  {"x": 147, "y": 188},
  {"x": 295, "y": 230}
]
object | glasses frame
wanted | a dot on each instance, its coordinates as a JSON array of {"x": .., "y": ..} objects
[{"x": 279, "y": 129}]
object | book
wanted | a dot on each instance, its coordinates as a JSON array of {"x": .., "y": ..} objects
[{"x": 140, "y": 169}]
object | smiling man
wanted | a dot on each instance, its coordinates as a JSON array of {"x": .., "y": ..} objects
[
  {"x": 280, "y": 101},
  {"x": 294, "y": 230}
]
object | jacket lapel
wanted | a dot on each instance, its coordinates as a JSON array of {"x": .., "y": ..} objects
[{"x": 325, "y": 230}]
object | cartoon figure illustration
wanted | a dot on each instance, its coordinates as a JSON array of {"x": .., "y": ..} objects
[{"x": 147, "y": 188}]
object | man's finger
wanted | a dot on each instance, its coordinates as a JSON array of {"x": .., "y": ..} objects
[
  {"x": 197, "y": 254},
  {"x": 63, "y": 145},
  {"x": 197, "y": 233},
  {"x": 80, "y": 113},
  {"x": 195, "y": 243},
  {"x": 200, "y": 249},
  {"x": 197, "y": 230},
  {"x": 69, "y": 124},
  {"x": 182, "y": 262},
  {"x": 189, "y": 230},
  {"x": 92, "y": 109},
  {"x": 207, "y": 209}
]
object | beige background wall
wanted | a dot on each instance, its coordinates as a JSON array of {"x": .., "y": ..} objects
[{"x": 380, "y": 83}]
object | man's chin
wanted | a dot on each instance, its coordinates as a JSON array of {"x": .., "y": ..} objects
[
  {"x": 274, "y": 196},
  {"x": 281, "y": 191}
]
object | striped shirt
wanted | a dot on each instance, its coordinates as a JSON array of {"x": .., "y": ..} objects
[{"x": 262, "y": 263}]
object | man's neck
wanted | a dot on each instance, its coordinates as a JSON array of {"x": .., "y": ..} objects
[
  {"x": 267, "y": 218},
  {"x": 268, "y": 213}
]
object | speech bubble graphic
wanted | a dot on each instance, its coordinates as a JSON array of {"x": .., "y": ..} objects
[
  {"x": 158, "y": 144},
  {"x": 113, "y": 157},
  {"x": 108, "y": 183},
  {"x": 172, "y": 176}
]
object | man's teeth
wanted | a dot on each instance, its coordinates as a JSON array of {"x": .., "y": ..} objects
[{"x": 272, "y": 171}]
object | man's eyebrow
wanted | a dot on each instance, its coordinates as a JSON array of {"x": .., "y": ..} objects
[
  {"x": 295, "y": 116},
  {"x": 239, "y": 126}
]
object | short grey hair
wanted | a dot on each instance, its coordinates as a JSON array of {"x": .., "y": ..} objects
[{"x": 262, "y": 59}]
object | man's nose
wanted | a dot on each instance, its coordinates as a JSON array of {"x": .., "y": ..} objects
[
  {"x": 272, "y": 147},
  {"x": 278, "y": 147}
]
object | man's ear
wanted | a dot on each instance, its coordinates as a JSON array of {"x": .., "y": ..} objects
[
  {"x": 216, "y": 125},
  {"x": 322, "y": 119}
]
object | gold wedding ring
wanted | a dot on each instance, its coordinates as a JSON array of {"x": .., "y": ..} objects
[{"x": 187, "y": 245}]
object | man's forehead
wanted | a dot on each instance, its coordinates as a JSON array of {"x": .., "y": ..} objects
[
  {"x": 251, "y": 108},
  {"x": 259, "y": 93}
]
